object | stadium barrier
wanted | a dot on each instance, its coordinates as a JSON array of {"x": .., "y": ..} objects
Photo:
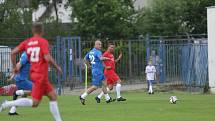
[{"x": 179, "y": 60}]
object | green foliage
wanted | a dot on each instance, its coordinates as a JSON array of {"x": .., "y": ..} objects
[
  {"x": 14, "y": 21},
  {"x": 167, "y": 17},
  {"x": 104, "y": 18}
]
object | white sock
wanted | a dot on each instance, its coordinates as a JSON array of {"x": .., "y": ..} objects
[
  {"x": 20, "y": 92},
  {"x": 150, "y": 89},
  {"x": 102, "y": 93},
  {"x": 22, "y": 102},
  {"x": 13, "y": 109},
  {"x": 107, "y": 97},
  {"x": 84, "y": 95},
  {"x": 54, "y": 110},
  {"x": 118, "y": 88}
]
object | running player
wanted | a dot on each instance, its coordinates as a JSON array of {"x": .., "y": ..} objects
[
  {"x": 37, "y": 49},
  {"x": 23, "y": 84},
  {"x": 112, "y": 78},
  {"x": 95, "y": 58}
]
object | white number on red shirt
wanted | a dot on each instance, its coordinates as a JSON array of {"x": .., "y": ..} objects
[{"x": 34, "y": 53}]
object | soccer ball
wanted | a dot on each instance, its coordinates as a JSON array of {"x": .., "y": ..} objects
[{"x": 173, "y": 99}]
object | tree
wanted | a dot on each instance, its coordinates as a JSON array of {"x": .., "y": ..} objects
[
  {"x": 170, "y": 17},
  {"x": 14, "y": 20},
  {"x": 104, "y": 18}
]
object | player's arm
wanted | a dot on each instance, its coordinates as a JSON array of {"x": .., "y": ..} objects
[
  {"x": 104, "y": 58},
  {"x": 14, "y": 52},
  {"x": 108, "y": 67},
  {"x": 22, "y": 61},
  {"x": 18, "y": 66},
  {"x": 119, "y": 57},
  {"x": 106, "y": 63},
  {"x": 87, "y": 62},
  {"x": 51, "y": 61}
]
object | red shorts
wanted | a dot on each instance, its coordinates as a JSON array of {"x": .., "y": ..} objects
[
  {"x": 111, "y": 77},
  {"x": 41, "y": 86}
]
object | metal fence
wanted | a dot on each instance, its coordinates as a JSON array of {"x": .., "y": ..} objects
[{"x": 178, "y": 60}]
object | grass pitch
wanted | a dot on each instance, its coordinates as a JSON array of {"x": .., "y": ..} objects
[{"x": 138, "y": 107}]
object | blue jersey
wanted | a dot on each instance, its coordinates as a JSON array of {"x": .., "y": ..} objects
[
  {"x": 24, "y": 70},
  {"x": 94, "y": 57}
]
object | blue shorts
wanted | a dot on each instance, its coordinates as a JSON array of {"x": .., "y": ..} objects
[
  {"x": 24, "y": 85},
  {"x": 150, "y": 82},
  {"x": 97, "y": 78}
]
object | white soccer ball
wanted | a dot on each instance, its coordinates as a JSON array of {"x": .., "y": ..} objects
[{"x": 173, "y": 99}]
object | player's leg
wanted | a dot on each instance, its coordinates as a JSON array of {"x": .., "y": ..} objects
[
  {"x": 115, "y": 80},
  {"x": 53, "y": 104},
  {"x": 37, "y": 93},
  {"x": 89, "y": 90},
  {"x": 109, "y": 88},
  {"x": 150, "y": 87},
  {"x": 104, "y": 89},
  {"x": 118, "y": 90},
  {"x": 24, "y": 88},
  {"x": 95, "y": 84},
  {"x": 22, "y": 102}
]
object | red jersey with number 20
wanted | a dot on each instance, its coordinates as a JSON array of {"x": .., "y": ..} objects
[{"x": 36, "y": 48}]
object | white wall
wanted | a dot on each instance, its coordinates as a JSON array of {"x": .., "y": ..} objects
[{"x": 211, "y": 47}]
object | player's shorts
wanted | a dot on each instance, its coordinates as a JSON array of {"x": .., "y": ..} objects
[
  {"x": 111, "y": 77},
  {"x": 24, "y": 85},
  {"x": 97, "y": 78},
  {"x": 150, "y": 82},
  {"x": 41, "y": 86}
]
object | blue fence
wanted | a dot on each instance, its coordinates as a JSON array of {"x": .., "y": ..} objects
[{"x": 180, "y": 61}]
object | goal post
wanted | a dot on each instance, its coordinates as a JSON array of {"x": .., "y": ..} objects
[{"x": 211, "y": 47}]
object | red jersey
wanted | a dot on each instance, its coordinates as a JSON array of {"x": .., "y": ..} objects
[
  {"x": 110, "y": 62},
  {"x": 36, "y": 48}
]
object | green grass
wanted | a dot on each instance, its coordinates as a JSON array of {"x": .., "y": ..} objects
[{"x": 139, "y": 107}]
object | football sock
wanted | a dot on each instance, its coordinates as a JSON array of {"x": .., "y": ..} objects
[
  {"x": 118, "y": 89},
  {"x": 20, "y": 92},
  {"x": 13, "y": 109},
  {"x": 84, "y": 95},
  {"x": 102, "y": 93},
  {"x": 54, "y": 110},
  {"x": 22, "y": 102},
  {"x": 150, "y": 88},
  {"x": 107, "y": 97}
]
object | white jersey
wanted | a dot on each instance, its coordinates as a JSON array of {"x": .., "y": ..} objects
[{"x": 150, "y": 72}]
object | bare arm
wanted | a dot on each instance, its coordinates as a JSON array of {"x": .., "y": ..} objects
[
  {"x": 18, "y": 66},
  {"x": 14, "y": 52},
  {"x": 104, "y": 58},
  {"x": 51, "y": 61},
  {"x": 87, "y": 62},
  {"x": 120, "y": 56},
  {"x": 108, "y": 67}
]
